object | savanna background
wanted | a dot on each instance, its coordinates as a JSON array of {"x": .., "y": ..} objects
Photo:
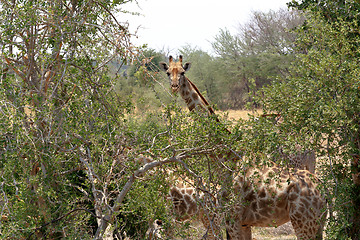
[{"x": 79, "y": 103}]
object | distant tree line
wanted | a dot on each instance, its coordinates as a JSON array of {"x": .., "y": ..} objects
[{"x": 241, "y": 63}]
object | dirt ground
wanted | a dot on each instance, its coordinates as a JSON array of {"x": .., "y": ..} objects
[{"x": 282, "y": 232}]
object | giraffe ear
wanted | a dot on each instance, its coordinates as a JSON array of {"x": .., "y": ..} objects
[
  {"x": 163, "y": 66},
  {"x": 187, "y": 66}
]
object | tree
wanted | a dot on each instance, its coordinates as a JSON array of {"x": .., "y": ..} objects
[
  {"x": 319, "y": 101},
  {"x": 329, "y": 10},
  {"x": 62, "y": 136},
  {"x": 259, "y": 51},
  {"x": 68, "y": 142}
]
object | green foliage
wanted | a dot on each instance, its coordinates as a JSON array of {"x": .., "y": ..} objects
[
  {"x": 330, "y": 10},
  {"x": 143, "y": 81},
  {"x": 320, "y": 102},
  {"x": 59, "y": 116}
]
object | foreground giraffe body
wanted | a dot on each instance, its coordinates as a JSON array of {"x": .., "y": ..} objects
[
  {"x": 266, "y": 197},
  {"x": 273, "y": 196},
  {"x": 293, "y": 192}
]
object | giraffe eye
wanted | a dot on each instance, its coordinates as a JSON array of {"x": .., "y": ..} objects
[
  {"x": 182, "y": 73},
  {"x": 168, "y": 73}
]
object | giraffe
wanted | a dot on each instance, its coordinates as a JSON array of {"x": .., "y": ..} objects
[
  {"x": 272, "y": 196},
  {"x": 180, "y": 83},
  {"x": 183, "y": 199},
  {"x": 262, "y": 197}
]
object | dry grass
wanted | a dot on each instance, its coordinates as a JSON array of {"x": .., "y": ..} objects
[{"x": 240, "y": 114}]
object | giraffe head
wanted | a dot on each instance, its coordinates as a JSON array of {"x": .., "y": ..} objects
[{"x": 175, "y": 71}]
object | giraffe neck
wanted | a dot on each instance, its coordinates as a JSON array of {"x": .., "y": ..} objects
[{"x": 193, "y": 98}]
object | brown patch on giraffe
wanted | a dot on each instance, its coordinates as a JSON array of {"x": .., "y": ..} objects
[
  {"x": 188, "y": 199},
  {"x": 306, "y": 203},
  {"x": 192, "y": 106},
  {"x": 254, "y": 206},
  {"x": 190, "y": 191},
  {"x": 192, "y": 209},
  {"x": 262, "y": 193},
  {"x": 282, "y": 201},
  {"x": 175, "y": 193},
  {"x": 250, "y": 196},
  {"x": 249, "y": 216},
  {"x": 293, "y": 196},
  {"x": 302, "y": 209},
  {"x": 257, "y": 216},
  {"x": 188, "y": 100},
  {"x": 297, "y": 215},
  {"x": 266, "y": 203},
  {"x": 194, "y": 96}
]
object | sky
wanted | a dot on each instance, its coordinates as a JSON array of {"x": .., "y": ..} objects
[{"x": 170, "y": 25}]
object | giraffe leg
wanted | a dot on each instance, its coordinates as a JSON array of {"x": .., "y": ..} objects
[
  {"x": 307, "y": 223},
  {"x": 236, "y": 231},
  {"x": 211, "y": 225}
]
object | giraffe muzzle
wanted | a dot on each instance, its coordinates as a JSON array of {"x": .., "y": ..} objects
[{"x": 174, "y": 88}]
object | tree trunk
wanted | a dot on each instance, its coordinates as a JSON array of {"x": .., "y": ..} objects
[
  {"x": 355, "y": 228},
  {"x": 355, "y": 167},
  {"x": 104, "y": 230}
]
